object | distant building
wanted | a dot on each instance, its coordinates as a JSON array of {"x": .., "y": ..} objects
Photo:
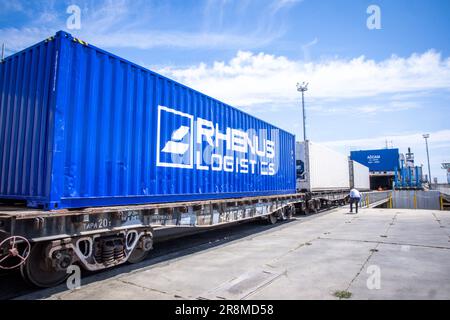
[
  {"x": 382, "y": 164},
  {"x": 390, "y": 169}
]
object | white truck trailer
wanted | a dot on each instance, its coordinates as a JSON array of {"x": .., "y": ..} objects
[
  {"x": 320, "y": 168},
  {"x": 359, "y": 176}
]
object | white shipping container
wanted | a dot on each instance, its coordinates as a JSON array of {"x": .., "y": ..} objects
[
  {"x": 320, "y": 168},
  {"x": 359, "y": 176}
]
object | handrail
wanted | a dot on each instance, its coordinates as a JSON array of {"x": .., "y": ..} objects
[{"x": 369, "y": 198}]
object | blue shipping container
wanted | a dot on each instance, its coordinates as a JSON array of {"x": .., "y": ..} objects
[
  {"x": 80, "y": 127},
  {"x": 377, "y": 160}
]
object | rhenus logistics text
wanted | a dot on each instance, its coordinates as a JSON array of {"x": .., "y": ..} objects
[{"x": 245, "y": 152}]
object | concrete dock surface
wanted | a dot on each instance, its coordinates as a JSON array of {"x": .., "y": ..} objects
[{"x": 375, "y": 254}]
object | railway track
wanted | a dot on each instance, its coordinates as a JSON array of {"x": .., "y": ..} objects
[{"x": 168, "y": 245}]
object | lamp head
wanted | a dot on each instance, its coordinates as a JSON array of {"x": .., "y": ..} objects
[{"x": 303, "y": 86}]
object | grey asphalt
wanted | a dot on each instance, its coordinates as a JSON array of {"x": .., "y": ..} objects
[{"x": 376, "y": 254}]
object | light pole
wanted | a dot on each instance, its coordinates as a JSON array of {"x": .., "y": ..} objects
[
  {"x": 302, "y": 88},
  {"x": 426, "y": 136}
]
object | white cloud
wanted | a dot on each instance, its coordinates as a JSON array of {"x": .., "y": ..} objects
[
  {"x": 14, "y": 6},
  {"x": 134, "y": 24},
  {"x": 117, "y": 24},
  {"x": 280, "y": 4},
  {"x": 174, "y": 39},
  {"x": 213, "y": 13},
  {"x": 19, "y": 38},
  {"x": 363, "y": 109},
  {"x": 307, "y": 49},
  {"x": 251, "y": 79},
  {"x": 438, "y": 139}
]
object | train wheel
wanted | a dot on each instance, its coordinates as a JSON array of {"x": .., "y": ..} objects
[
  {"x": 141, "y": 251},
  {"x": 272, "y": 218},
  {"x": 38, "y": 271},
  {"x": 137, "y": 255},
  {"x": 289, "y": 212},
  {"x": 311, "y": 207}
]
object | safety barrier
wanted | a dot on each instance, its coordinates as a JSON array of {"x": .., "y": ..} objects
[
  {"x": 417, "y": 199},
  {"x": 406, "y": 199},
  {"x": 375, "y": 198},
  {"x": 445, "y": 202}
]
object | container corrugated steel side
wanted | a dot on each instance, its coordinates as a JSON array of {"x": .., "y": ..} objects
[
  {"x": 81, "y": 127},
  {"x": 25, "y": 122},
  {"x": 324, "y": 169},
  {"x": 359, "y": 176}
]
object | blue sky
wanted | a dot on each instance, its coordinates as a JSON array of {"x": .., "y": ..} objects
[{"x": 366, "y": 86}]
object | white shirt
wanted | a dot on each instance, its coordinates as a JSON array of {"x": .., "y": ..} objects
[{"x": 355, "y": 194}]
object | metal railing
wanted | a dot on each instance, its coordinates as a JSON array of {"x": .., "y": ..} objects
[
  {"x": 412, "y": 199},
  {"x": 375, "y": 198}
]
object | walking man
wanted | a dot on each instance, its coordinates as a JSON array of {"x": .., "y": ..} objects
[{"x": 355, "y": 197}]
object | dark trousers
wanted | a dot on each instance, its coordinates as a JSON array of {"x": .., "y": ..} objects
[{"x": 354, "y": 201}]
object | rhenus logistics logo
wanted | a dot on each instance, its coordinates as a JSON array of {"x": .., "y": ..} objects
[{"x": 201, "y": 144}]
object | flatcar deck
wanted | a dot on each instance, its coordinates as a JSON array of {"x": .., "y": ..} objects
[{"x": 20, "y": 211}]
